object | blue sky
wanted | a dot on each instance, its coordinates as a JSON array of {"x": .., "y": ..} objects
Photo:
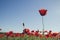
[{"x": 14, "y": 12}]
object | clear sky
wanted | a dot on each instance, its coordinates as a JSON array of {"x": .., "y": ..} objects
[{"x": 14, "y": 12}]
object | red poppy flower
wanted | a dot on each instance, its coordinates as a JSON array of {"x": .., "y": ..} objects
[
  {"x": 32, "y": 31},
  {"x": 58, "y": 35},
  {"x": 2, "y": 35},
  {"x": 47, "y": 35},
  {"x": 54, "y": 34},
  {"x": 17, "y": 35},
  {"x": 37, "y": 31},
  {"x": 11, "y": 35},
  {"x": 7, "y": 34},
  {"x": 26, "y": 31},
  {"x": 42, "y": 12},
  {"x": 40, "y": 35},
  {"x": 11, "y": 32},
  {"x": 50, "y": 32},
  {"x": 22, "y": 35},
  {"x": 36, "y": 34}
]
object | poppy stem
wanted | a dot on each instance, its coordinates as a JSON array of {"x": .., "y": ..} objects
[{"x": 43, "y": 25}]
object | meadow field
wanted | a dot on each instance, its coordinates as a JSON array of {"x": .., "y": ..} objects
[{"x": 29, "y": 35}]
